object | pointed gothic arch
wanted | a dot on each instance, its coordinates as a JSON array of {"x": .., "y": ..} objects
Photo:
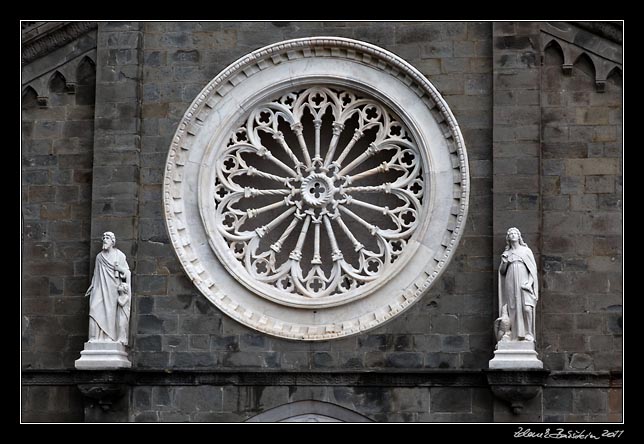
[
  {"x": 57, "y": 83},
  {"x": 554, "y": 53},
  {"x": 585, "y": 64},
  {"x": 86, "y": 72},
  {"x": 29, "y": 98}
]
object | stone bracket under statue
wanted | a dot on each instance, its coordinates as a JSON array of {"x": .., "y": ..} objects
[{"x": 516, "y": 387}]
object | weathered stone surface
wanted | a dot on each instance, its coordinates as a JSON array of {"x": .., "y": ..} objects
[
  {"x": 589, "y": 400},
  {"x": 564, "y": 158},
  {"x": 450, "y": 399}
]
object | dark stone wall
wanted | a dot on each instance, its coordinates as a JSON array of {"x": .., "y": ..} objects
[
  {"x": 380, "y": 404},
  {"x": 57, "y": 157},
  {"x": 57, "y": 161},
  {"x": 177, "y": 327},
  {"x": 51, "y": 403},
  {"x": 557, "y": 176},
  {"x": 582, "y": 217},
  {"x": 117, "y": 157},
  {"x": 581, "y": 174},
  {"x": 545, "y": 154}
]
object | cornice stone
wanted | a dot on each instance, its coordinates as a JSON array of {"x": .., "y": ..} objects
[
  {"x": 609, "y": 30},
  {"x": 245, "y": 377},
  {"x": 51, "y": 37}
]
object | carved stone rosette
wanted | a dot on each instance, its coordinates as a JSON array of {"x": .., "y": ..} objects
[{"x": 316, "y": 188}]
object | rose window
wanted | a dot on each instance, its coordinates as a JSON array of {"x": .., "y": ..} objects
[
  {"x": 316, "y": 188},
  {"x": 317, "y": 193}
]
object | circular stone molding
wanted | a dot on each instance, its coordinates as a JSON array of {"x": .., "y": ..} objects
[{"x": 316, "y": 188}]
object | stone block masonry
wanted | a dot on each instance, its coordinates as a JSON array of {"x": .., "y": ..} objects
[
  {"x": 574, "y": 150},
  {"x": 545, "y": 155},
  {"x": 57, "y": 151},
  {"x": 177, "y": 56},
  {"x": 117, "y": 142}
]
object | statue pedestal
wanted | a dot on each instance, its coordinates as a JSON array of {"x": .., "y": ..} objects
[
  {"x": 103, "y": 355},
  {"x": 515, "y": 355}
]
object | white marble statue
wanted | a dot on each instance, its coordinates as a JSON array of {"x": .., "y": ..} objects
[
  {"x": 109, "y": 310},
  {"x": 518, "y": 295},
  {"x": 518, "y": 287}
]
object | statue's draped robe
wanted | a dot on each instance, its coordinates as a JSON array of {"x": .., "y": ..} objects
[
  {"x": 111, "y": 315},
  {"x": 521, "y": 273}
]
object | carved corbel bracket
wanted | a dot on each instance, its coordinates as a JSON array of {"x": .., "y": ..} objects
[
  {"x": 516, "y": 386},
  {"x": 104, "y": 394},
  {"x": 103, "y": 388},
  {"x": 600, "y": 85}
]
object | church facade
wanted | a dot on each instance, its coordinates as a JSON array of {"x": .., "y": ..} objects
[{"x": 524, "y": 130}]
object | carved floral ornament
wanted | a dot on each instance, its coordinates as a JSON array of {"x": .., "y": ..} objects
[{"x": 316, "y": 188}]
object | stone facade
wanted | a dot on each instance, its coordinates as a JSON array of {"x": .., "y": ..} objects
[
  {"x": 544, "y": 148},
  {"x": 57, "y": 152}
]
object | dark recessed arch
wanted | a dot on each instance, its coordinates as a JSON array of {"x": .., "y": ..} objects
[
  {"x": 309, "y": 411},
  {"x": 57, "y": 83},
  {"x": 553, "y": 53},
  {"x": 29, "y": 98},
  {"x": 86, "y": 82},
  {"x": 585, "y": 64},
  {"x": 86, "y": 72},
  {"x": 615, "y": 76}
]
